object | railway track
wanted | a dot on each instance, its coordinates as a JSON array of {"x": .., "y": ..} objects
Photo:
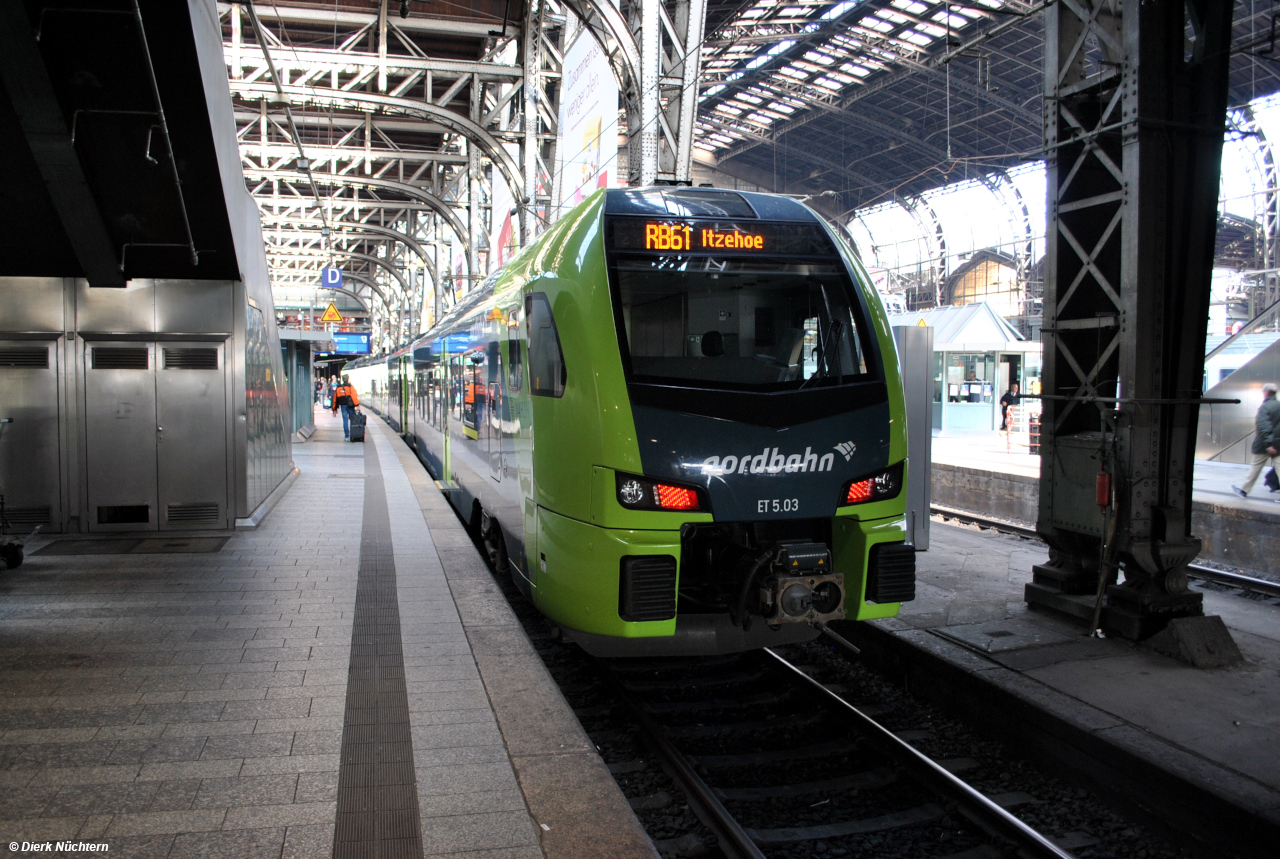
[
  {"x": 1195, "y": 571},
  {"x": 775, "y": 764}
]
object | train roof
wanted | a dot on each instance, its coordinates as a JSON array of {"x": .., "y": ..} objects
[{"x": 678, "y": 202}]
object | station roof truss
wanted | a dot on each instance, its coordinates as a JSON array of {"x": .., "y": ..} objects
[
  {"x": 882, "y": 99},
  {"x": 372, "y": 129}
]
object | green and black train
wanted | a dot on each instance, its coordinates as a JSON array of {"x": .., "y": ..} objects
[{"x": 677, "y": 419}]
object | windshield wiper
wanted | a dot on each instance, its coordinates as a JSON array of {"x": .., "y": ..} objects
[{"x": 825, "y": 344}]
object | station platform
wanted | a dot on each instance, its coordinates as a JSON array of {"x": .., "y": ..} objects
[
  {"x": 991, "y": 475},
  {"x": 1183, "y": 744},
  {"x": 347, "y": 673}
]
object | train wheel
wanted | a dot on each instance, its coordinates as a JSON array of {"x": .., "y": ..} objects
[
  {"x": 11, "y": 555},
  {"x": 495, "y": 547}
]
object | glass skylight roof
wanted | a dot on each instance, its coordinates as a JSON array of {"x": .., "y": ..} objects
[{"x": 823, "y": 50}]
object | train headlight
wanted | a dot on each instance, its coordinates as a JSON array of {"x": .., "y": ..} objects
[
  {"x": 877, "y": 487},
  {"x": 641, "y": 493},
  {"x": 630, "y": 492}
]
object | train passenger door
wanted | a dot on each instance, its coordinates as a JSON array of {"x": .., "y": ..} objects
[
  {"x": 496, "y": 410},
  {"x": 513, "y": 384}
]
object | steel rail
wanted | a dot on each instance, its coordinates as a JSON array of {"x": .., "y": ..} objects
[
  {"x": 973, "y": 804},
  {"x": 737, "y": 841},
  {"x": 1195, "y": 571}
]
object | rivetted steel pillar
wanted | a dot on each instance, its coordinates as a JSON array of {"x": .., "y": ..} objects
[
  {"x": 1135, "y": 107},
  {"x": 531, "y": 60}
]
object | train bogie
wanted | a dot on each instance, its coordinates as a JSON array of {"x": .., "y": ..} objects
[{"x": 677, "y": 419}]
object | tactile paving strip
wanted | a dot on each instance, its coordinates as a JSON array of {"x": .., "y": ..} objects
[{"x": 378, "y": 813}]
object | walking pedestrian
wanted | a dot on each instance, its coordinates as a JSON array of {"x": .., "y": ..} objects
[
  {"x": 1010, "y": 398},
  {"x": 345, "y": 396},
  {"x": 333, "y": 389},
  {"x": 1267, "y": 441}
]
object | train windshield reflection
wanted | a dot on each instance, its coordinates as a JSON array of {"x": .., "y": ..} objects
[{"x": 762, "y": 324}]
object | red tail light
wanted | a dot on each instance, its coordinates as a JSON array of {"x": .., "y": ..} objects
[
  {"x": 677, "y": 497},
  {"x": 642, "y": 493},
  {"x": 858, "y": 492},
  {"x": 877, "y": 487}
]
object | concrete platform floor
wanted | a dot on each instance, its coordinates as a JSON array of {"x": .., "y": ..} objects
[
  {"x": 1217, "y": 727},
  {"x": 174, "y": 705},
  {"x": 994, "y": 452}
]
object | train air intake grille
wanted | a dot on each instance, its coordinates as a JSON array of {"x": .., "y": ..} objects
[
  {"x": 648, "y": 588},
  {"x": 191, "y": 359},
  {"x": 194, "y": 512},
  {"x": 116, "y": 358},
  {"x": 25, "y": 356},
  {"x": 891, "y": 575}
]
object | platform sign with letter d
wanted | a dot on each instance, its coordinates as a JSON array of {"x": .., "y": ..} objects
[{"x": 331, "y": 276}]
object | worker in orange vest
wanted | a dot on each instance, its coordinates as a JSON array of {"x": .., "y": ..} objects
[{"x": 345, "y": 396}]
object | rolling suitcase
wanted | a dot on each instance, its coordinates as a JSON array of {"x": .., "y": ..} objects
[{"x": 357, "y": 426}]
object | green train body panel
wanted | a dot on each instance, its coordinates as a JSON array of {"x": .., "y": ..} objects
[{"x": 553, "y": 490}]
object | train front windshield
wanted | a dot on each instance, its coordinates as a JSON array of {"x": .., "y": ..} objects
[{"x": 741, "y": 319}]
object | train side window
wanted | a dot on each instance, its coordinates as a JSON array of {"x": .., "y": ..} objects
[{"x": 547, "y": 374}]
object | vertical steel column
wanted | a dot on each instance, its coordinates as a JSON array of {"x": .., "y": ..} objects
[
  {"x": 473, "y": 191},
  {"x": 382, "y": 46},
  {"x": 1135, "y": 106},
  {"x": 530, "y": 46},
  {"x": 650, "y": 72},
  {"x": 682, "y": 109}
]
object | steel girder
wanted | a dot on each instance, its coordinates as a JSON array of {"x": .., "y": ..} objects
[
  {"x": 282, "y": 250},
  {"x": 356, "y": 227},
  {"x": 1134, "y": 119},
  {"x": 455, "y": 122},
  {"x": 440, "y": 207}
]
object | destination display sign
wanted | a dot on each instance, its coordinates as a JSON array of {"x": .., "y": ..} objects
[{"x": 668, "y": 236}]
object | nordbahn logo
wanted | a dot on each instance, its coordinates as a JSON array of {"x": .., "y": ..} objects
[{"x": 770, "y": 461}]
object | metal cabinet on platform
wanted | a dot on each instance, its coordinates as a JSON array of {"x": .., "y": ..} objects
[
  {"x": 156, "y": 446},
  {"x": 30, "y": 457}
]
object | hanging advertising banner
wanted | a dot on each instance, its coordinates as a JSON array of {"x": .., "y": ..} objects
[
  {"x": 587, "y": 151},
  {"x": 503, "y": 241}
]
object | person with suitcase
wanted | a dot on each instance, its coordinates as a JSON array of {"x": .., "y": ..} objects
[
  {"x": 344, "y": 397},
  {"x": 357, "y": 426}
]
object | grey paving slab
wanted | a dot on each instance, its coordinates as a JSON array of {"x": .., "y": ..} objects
[
  {"x": 152, "y": 700},
  {"x": 482, "y": 718},
  {"x": 970, "y": 586},
  {"x": 182, "y": 705}
]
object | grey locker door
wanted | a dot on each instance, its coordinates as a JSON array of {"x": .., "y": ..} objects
[
  {"x": 191, "y": 449},
  {"x": 30, "y": 473},
  {"x": 120, "y": 436}
]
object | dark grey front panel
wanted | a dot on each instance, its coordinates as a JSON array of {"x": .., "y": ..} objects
[{"x": 754, "y": 472}]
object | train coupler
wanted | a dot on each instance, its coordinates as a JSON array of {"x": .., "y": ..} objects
[{"x": 802, "y": 588}]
